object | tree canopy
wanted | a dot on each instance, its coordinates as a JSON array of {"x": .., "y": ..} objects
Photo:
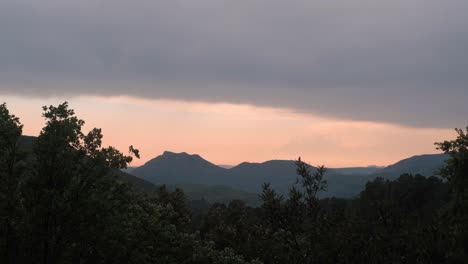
[{"x": 62, "y": 201}]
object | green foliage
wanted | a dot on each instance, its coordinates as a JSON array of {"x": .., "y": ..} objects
[
  {"x": 456, "y": 172},
  {"x": 218, "y": 194},
  {"x": 391, "y": 222},
  {"x": 71, "y": 173},
  {"x": 11, "y": 172},
  {"x": 10, "y": 128},
  {"x": 64, "y": 201},
  {"x": 291, "y": 226}
]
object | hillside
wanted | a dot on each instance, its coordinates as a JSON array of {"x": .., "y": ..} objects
[
  {"x": 426, "y": 165},
  {"x": 250, "y": 176},
  {"x": 184, "y": 169},
  {"x": 201, "y": 179},
  {"x": 172, "y": 168},
  {"x": 357, "y": 170},
  {"x": 212, "y": 194}
]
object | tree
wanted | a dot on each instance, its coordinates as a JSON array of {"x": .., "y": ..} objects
[
  {"x": 10, "y": 173},
  {"x": 67, "y": 205},
  {"x": 456, "y": 173},
  {"x": 178, "y": 202},
  {"x": 295, "y": 224},
  {"x": 70, "y": 186}
]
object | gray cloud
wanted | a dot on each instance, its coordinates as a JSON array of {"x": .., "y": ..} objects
[{"x": 398, "y": 61}]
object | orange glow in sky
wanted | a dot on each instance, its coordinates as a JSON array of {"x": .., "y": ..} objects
[{"x": 229, "y": 134}]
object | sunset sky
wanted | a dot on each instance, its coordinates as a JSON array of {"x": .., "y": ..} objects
[{"x": 340, "y": 83}]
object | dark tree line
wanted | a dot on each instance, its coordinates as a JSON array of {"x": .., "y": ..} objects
[
  {"x": 413, "y": 219},
  {"x": 61, "y": 201}
]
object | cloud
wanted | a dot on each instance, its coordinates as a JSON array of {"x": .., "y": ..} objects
[{"x": 403, "y": 62}]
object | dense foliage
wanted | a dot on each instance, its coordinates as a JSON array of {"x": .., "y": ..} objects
[{"x": 62, "y": 202}]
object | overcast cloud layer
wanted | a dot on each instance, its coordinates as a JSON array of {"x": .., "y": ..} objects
[{"x": 398, "y": 61}]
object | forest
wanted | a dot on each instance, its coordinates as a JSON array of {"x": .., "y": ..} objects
[{"x": 62, "y": 201}]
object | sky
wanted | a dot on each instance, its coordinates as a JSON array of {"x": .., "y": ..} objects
[{"x": 340, "y": 83}]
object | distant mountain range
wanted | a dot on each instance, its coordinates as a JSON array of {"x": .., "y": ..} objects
[
  {"x": 358, "y": 170},
  {"x": 426, "y": 165},
  {"x": 185, "y": 169},
  {"x": 194, "y": 192},
  {"x": 201, "y": 179}
]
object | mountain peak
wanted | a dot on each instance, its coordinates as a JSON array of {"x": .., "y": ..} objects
[
  {"x": 182, "y": 168},
  {"x": 170, "y": 154},
  {"x": 177, "y": 168},
  {"x": 426, "y": 164}
]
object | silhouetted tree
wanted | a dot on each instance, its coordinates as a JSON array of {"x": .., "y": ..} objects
[
  {"x": 456, "y": 173},
  {"x": 62, "y": 202},
  {"x": 11, "y": 170}
]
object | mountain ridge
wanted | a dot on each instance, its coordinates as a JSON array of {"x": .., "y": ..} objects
[
  {"x": 184, "y": 168},
  {"x": 176, "y": 168}
]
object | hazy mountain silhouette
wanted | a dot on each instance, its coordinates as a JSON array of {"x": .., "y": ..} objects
[
  {"x": 182, "y": 168},
  {"x": 426, "y": 165},
  {"x": 212, "y": 194},
  {"x": 358, "y": 170},
  {"x": 202, "y": 178},
  {"x": 250, "y": 176}
]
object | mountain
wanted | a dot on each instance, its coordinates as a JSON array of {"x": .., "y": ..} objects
[
  {"x": 201, "y": 179},
  {"x": 211, "y": 194},
  {"x": 281, "y": 174},
  {"x": 183, "y": 169},
  {"x": 358, "y": 170},
  {"x": 426, "y": 165}
]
